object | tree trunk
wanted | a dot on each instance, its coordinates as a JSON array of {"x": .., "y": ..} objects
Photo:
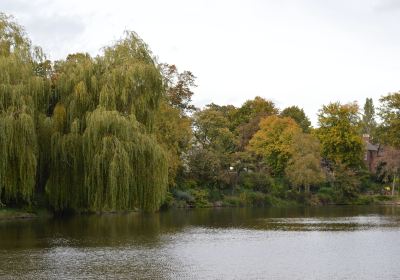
[{"x": 393, "y": 184}]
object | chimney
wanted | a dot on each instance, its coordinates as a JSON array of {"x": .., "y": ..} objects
[{"x": 366, "y": 138}]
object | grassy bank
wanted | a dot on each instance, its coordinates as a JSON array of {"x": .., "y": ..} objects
[
  {"x": 16, "y": 213},
  {"x": 202, "y": 198},
  {"x": 9, "y": 213}
]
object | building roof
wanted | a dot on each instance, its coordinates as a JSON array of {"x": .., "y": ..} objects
[{"x": 371, "y": 147}]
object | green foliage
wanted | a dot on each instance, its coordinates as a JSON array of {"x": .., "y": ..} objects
[
  {"x": 346, "y": 183},
  {"x": 339, "y": 134},
  {"x": 368, "y": 118},
  {"x": 257, "y": 181},
  {"x": 200, "y": 198},
  {"x": 22, "y": 99},
  {"x": 299, "y": 116},
  {"x": 169, "y": 201},
  {"x": 263, "y": 182},
  {"x": 113, "y": 132},
  {"x": 364, "y": 200},
  {"x": 212, "y": 130},
  {"x": 246, "y": 119},
  {"x": 187, "y": 184},
  {"x": 103, "y": 157},
  {"x": 389, "y": 112},
  {"x": 131, "y": 80},
  {"x": 205, "y": 166},
  {"x": 19, "y": 151},
  {"x": 234, "y": 201},
  {"x": 96, "y": 150},
  {"x": 304, "y": 167},
  {"x": 174, "y": 133},
  {"x": 257, "y": 199},
  {"x": 210, "y": 157},
  {"x": 273, "y": 142},
  {"x": 383, "y": 198},
  {"x": 253, "y": 108},
  {"x": 326, "y": 195},
  {"x": 13, "y": 40},
  {"x": 65, "y": 185}
]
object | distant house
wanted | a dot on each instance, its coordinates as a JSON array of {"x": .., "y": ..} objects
[{"x": 372, "y": 152}]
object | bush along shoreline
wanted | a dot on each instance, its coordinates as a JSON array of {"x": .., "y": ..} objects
[
  {"x": 194, "y": 199},
  {"x": 202, "y": 199}
]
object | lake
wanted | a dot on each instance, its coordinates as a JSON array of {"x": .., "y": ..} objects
[{"x": 338, "y": 242}]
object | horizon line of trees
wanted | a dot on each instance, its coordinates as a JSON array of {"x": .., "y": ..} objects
[{"x": 118, "y": 131}]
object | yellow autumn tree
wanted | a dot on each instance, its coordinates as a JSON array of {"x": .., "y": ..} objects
[{"x": 273, "y": 142}]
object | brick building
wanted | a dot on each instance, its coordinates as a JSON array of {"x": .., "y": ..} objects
[{"x": 372, "y": 152}]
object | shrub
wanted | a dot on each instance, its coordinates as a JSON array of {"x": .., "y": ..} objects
[
  {"x": 188, "y": 184},
  {"x": 256, "y": 181},
  {"x": 326, "y": 195},
  {"x": 364, "y": 200},
  {"x": 200, "y": 198},
  {"x": 233, "y": 201},
  {"x": 383, "y": 198},
  {"x": 253, "y": 198},
  {"x": 168, "y": 202},
  {"x": 214, "y": 195}
]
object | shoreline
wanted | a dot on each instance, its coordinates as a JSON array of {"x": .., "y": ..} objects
[
  {"x": 20, "y": 214},
  {"x": 16, "y": 214}
]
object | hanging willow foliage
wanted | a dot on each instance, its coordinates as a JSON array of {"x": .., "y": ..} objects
[
  {"x": 18, "y": 149},
  {"x": 132, "y": 83},
  {"x": 65, "y": 185},
  {"x": 80, "y": 129},
  {"x": 125, "y": 168},
  {"x": 76, "y": 86},
  {"x": 23, "y": 97},
  {"x": 45, "y": 129},
  {"x": 103, "y": 156}
]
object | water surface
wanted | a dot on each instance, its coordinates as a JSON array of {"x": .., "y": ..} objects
[{"x": 301, "y": 243}]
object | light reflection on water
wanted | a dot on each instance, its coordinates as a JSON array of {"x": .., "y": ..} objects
[
  {"x": 313, "y": 243},
  {"x": 332, "y": 224}
]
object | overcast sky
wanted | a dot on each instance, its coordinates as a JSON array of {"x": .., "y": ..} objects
[{"x": 294, "y": 52}]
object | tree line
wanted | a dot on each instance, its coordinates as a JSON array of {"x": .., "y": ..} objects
[{"x": 119, "y": 131}]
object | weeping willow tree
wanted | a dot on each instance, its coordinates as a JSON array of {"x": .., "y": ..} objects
[
  {"x": 132, "y": 83},
  {"x": 80, "y": 129},
  {"x": 103, "y": 153},
  {"x": 24, "y": 92},
  {"x": 65, "y": 187},
  {"x": 125, "y": 168}
]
